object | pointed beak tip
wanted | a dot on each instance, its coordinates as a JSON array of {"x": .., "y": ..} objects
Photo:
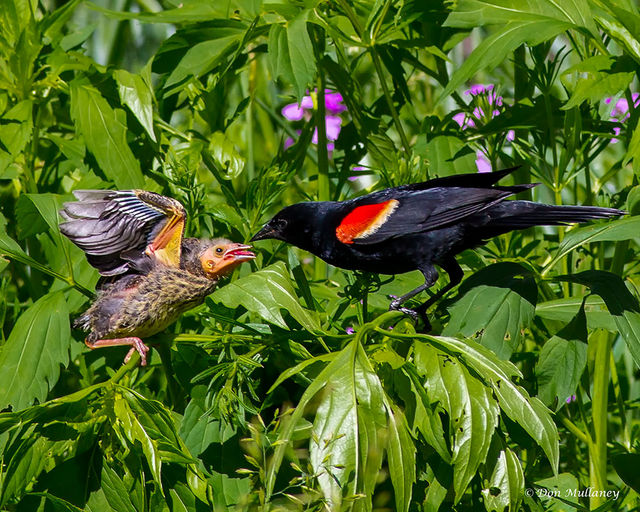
[{"x": 263, "y": 234}]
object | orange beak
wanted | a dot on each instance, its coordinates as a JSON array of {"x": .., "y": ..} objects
[{"x": 234, "y": 254}]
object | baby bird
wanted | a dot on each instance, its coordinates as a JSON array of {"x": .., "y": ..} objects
[{"x": 151, "y": 274}]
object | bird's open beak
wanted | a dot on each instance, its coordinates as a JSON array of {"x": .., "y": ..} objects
[
  {"x": 266, "y": 232},
  {"x": 238, "y": 253}
]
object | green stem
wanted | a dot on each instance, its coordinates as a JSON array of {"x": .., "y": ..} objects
[
  {"x": 324, "y": 185},
  {"x": 598, "y": 449},
  {"x": 573, "y": 428},
  {"x": 387, "y": 96}
]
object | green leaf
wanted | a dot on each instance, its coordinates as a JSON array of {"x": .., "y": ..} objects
[
  {"x": 562, "y": 361},
  {"x": 401, "y": 456},
  {"x": 626, "y": 465},
  {"x": 291, "y": 54},
  {"x": 105, "y": 133},
  {"x": 473, "y": 13},
  {"x": 559, "y": 495},
  {"x": 494, "y": 49},
  {"x": 504, "y": 488},
  {"x": 565, "y": 309},
  {"x": 497, "y": 303},
  {"x": 115, "y": 492},
  {"x": 529, "y": 412},
  {"x": 202, "y": 58},
  {"x": 136, "y": 93},
  {"x": 619, "y": 229},
  {"x": 619, "y": 300},
  {"x": 36, "y": 348},
  {"x": 473, "y": 412},
  {"x": 225, "y": 155},
  {"x": 266, "y": 293},
  {"x": 441, "y": 152}
]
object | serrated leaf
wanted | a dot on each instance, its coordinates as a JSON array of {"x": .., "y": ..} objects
[
  {"x": 473, "y": 412},
  {"x": 38, "y": 345},
  {"x": 105, "y": 134},
  {"x": 529, "y": 412},
  {"x": 266, "y": 293},
  {"x": 115, "y": 492},
  {"x": 136, "y": 94},
  {"x": 496, "y": 304}
]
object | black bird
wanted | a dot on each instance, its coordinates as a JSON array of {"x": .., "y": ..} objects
[{"x": 418, "y": 226}]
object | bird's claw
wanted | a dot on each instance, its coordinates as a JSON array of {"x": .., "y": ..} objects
[
  {"x": 413, "y": 313},
  {"x": 137, "y": 346}
]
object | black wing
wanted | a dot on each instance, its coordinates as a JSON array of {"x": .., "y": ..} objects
[{"x": 117, "y": 228}]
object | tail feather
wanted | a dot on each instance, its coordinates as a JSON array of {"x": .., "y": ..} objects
[{"x": 524, "y": 214}]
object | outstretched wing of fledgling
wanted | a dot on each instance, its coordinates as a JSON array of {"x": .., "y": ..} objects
[{"x": 123, "y": 230}]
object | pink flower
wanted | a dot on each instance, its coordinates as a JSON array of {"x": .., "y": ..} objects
[
  {"x": 333, "y": 104},
  {"x": 482, "y": 162},
  {"x": 349, "y": 330},
  {"x": 572, "y": 398},
  {"x": 620, "y": 112}
]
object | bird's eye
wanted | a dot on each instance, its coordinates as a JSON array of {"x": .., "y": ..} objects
[{"x": 219, "y": 250}]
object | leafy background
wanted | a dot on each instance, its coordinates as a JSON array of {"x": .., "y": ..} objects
[{"x": 292, "y": 388}]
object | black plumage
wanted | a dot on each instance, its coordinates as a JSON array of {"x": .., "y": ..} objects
[{"x": 418, "y": 226}]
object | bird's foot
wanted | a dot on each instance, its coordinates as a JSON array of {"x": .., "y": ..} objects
[
  {"x": 413, "y": 313},
  {"x": 137, "y": 346}
]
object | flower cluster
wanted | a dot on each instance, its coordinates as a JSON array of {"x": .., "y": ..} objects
[
  {"x": 487, "y": 106},
  {"x": 304, "y": 110},
  {"x": 620, "y": 112}
]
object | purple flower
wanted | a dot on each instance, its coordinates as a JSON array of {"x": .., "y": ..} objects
[
  {"x": 333, "y": 105},
  {"x": 482, "y": 162},
  {"x": 349, "y": 330},
  {"x": 620, "y": 112},
  {"x": 572, "y": 398}
]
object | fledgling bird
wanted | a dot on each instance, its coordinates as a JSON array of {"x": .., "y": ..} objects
[
  {"x": 151, "y": 273},
  {"x": 417, "y": 226}
]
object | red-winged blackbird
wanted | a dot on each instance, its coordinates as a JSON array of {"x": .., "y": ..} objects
[
  {"x": 417, "y": 226},
  {"x": 152, "y": 275}
]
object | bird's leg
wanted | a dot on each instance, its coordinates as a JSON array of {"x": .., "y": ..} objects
[
  {"x": 430, "y": 277},
  {"x": 136, "y": 346},
  {"x": 455, "y": 274}
]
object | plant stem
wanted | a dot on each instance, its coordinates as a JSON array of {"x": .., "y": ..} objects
[
  {"x": 324, "y": 185},
  {"x": 598, "y": 449}
]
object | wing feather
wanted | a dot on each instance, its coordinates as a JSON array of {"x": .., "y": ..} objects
[{"x": 106, "y": 224}]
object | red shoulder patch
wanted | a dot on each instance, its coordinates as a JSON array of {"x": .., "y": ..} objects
[{"x": 364, "y": 220}]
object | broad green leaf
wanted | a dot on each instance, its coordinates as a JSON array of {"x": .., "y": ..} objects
[
  {"x": 38, "y": 345},
  {"x": 559, "y": 495},
  {"x": 496, "y": 304},
  {"x": 473, "y": 412},
  {"x": 562, "y": 361},
  {"x": 619, "y": 300},
  {"x": 494, "y": 49},
  {"x": 105, "y": 133},
  {"x": 472, "y": 13},
  {"x": 596, "y": 87},
  {"x": 199, "y": 430},
  {"x": 619, "y": 32},
  {"x": 620, "y": 229},
  {"x": 266, "y": 293},
  {"x": 225, "y": 155},
  {"x": 16, "y": 126},
  {"x": 137, "y": 94},
  {"x": 529, "y": 412},
  {"x": 565, "y": 309},
  {"x": 202, "y": 58},
  {"x": 504, "y": 489},
  {"x": 291, "y": 54}
]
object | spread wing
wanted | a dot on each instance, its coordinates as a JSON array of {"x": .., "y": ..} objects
[
  {"x": 416, "y": 212},
  {"x": 118, "y": 228}
]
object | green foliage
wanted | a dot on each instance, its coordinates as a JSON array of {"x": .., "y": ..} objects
[{"x": 264, "y": 398}]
